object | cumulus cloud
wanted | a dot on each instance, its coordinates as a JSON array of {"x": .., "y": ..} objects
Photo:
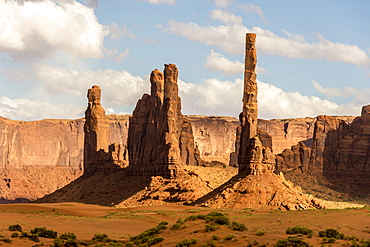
[
  {"x": 169, "y": 2},
  {"x": 226, "y": 17},
  {"x": 213, "y": 96},
  {"x": 41, "y": 28},
  {"x": 231, "y": 39},
  {"x": 217, "y": 62},
  {"x": 222, "y": 3},
  {"x": 120, "y": 87},
  {"x": 251, "y": 8},
  {"x": 24, "y": 109},
  {"x": 117, "y": 32},
  {"x": 360, "y": 96}
]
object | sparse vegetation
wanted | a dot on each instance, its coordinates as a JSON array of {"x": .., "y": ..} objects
[
  {"x": 15, "y": 235},
  {"x": 331, "y": 233},
  {"x": 215, "y": 237},
  {"x": 43, "y": 232},
  {"x": 299, "y": 230},
  {"x": 210, "y": 228},
  {"x": 260, "y": 233},
  {"x": 238, "y": 226},
  {"x": 186, "y": 242},
  {"x": 150, "y": 235},
  {"x": 291, "y": 242},
  {"x": 16, "y": 227},
  {"x": 229, "y": 237}
]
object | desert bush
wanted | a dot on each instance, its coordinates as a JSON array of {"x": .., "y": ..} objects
[
  {"x": 260, "y": 233},
  {"x": 331, "y": 233},
  {"x": 6, "y": 240},
  {"x": 31, "y": 237},
  {"x": 154, "y": 241},
  {"x": 68, "y": 235},
  {"x": 14, "y": 235},
  {"x": 148, "y": 234},
  {"x": 210, "y": 228},
  {"x": 350, "y": 238},
  {"x": 16, "y": 227},
  {"x": 101, "y": 238},
  {"x": 298, "y": 230},
  {"x": 178, "y": 224},
  {"x": 215, "y": 237},
  {"x": 186, "y": 242},
  {"x": 43, "y": 232},
  {"x": 210, "y": 243},
  {"x": 217, "y": 218},
  {"x": 253, "y": 243},
  {"x": 130, "y": 244},
  {"x": 229, "y": 237},
  {"x": 291, "y": 242},
  {"x": 238, "y": 226}
]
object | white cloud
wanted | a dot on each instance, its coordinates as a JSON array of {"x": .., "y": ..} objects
[
  {"x": 214, "y": 97},
  {"x": 41, "y": 28},
  {"x": 231, "y": 39},
  {"x": 226, "y": 17},
  {"x": 251, "y": 8},
  {"x": 119, "y": 88},
  {"x": 360, "y": 96},
  {"x": 217, "y": 62},
  {"x": 24, "y": 109},
  {"x": 169, "y": 2},
  {"x": 222, "y": 3},
  {"x": 116, "y": 32}
]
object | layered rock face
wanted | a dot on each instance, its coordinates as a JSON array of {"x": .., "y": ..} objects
[
  {"x": 160, "y": 139},
  {"x": 352, "y": 155}
]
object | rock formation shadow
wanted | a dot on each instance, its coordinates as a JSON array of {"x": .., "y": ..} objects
[{"x": 101, "y": 188}]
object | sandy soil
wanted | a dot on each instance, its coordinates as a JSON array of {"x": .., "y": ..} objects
[{"x": 121, "y": 223}]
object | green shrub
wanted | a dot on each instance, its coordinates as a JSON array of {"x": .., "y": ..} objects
[
  {"x": 260, "y": 233},
  {"x": 229, "y": 237},
  {"x": 6, "y": 240},
  {"x": 68, "y": 235},
  {"x": 217, "y": 218},
  {"x": 210, "y": 243},
  {"x": 101, "y": 238},
  {"x": 291, "y": 242},
  {"x": 215, "y": 237},
  {"x": 15, "y": 235},
  {"x": 238, "y": 226},
  {"x": 148, "y": 234},
  {"x": 253, "y": 243},
  {"x": 331, "y": 233},
  {"x": 210, "y": 228},
  {"x": 16, "y": 227},
  {"x": 178, "y": 224},
  {"x": 298, "y": 230},
  {"x": 31, "y": 237},
  {"x": 350, "y": 238},
  {"x": 185, "y": 243},
  {"x": 45, "y": 233},
  {"x": 154, "y": 241},
  {"x": 130, "y": 244}
]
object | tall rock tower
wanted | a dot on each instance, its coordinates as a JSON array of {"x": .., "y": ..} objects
[
  {"x": 254, "y": 155},
  {"x": 160, "y": 139},
  {"x": 99, "y": 153}
]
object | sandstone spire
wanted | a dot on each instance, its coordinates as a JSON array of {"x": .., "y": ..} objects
[
  {"x": 160, "y": 139},
  {"x": 248, "y": 117},
  {"x": 99, "y": 153},
  {"x": 254, "y": 157}
]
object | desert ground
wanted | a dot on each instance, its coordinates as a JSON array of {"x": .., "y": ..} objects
[{"x": 264, "y": 227}]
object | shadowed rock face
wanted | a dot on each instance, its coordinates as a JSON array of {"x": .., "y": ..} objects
[{"x": 160, "y": 139}]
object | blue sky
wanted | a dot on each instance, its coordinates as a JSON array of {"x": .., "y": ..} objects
[{"x": 313, "y": 56}]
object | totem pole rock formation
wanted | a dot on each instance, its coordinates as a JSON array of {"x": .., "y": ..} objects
[
  {"x": 160, "y": 139},
  {"x": 99, "y": 153},
  {"x": 253, "y": 157}
]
